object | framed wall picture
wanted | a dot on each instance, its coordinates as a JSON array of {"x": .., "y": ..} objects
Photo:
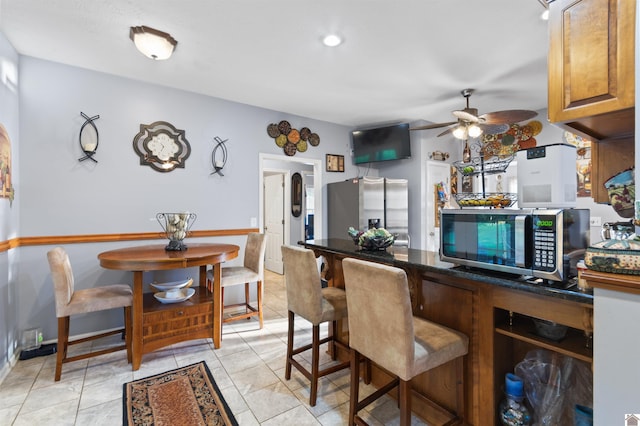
[{"x": 335, "y": 163}]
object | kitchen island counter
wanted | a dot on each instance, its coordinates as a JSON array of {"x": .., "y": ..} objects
[
  {"x": 429, "y": 261},
  {"x": 495, "y": 310}
]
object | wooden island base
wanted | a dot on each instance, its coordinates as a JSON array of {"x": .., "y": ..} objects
[{"x": 495, "y": 313}]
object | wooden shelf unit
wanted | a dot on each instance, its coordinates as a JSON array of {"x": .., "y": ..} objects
[{"x": 168, "y": 323}]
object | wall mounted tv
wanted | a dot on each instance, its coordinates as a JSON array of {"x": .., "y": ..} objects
[{"x": 381, "y": 144}]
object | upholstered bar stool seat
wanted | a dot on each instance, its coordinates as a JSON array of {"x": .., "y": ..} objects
[
  {"x": 72, "y": 302},
  {"x": 383, "y": 329},
  {"x": 251, "y": 271},
  {"x": 307, "y": 299}
]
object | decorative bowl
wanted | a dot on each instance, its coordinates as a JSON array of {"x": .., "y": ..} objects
[
  {"x": 372, "y": 239},
  {"x": 176, "y": 227},
  {"x": 549, "y": 329}
]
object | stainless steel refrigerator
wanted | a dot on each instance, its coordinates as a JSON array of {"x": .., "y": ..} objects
[{"x": 366, "y": 201}]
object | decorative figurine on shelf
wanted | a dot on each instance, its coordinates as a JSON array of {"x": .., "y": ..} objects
[{"x": 176, "y": 226}]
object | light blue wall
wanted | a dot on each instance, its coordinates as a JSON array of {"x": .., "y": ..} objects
[
  {"x": 118, "y": 194},
  {"x": 59, "y": 195},
  {"x": 9, "y": 212}
]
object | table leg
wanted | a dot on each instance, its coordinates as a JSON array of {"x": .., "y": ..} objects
[
  {"x": 137, "y": 308},
  {"x": 217, "y": 306}
]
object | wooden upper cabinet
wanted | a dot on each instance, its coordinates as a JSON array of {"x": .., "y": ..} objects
[
  {"x": 591, "y": 66},
  {"x": 608, "y": 158}
]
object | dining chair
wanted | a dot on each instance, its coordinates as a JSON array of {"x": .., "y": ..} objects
[
  {"x": 252, "y": 270},
  {"x": 70, "y": 301},
  {"x": 383, "y": 329},
  {"x": 308, "y": 299}
]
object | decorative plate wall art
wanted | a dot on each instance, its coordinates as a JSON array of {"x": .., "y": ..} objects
[
  {"x": 292, "y": 140},
  {"x": 508, "y": 143}
]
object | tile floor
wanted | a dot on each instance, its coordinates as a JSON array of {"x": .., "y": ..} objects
[{"x": 248, "y": 368}]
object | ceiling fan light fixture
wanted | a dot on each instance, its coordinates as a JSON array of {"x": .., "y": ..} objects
[
  {"x": 460, "y": 132},
  {"x": 474, "y": 130},
  {"x": 153, "y": 43}
]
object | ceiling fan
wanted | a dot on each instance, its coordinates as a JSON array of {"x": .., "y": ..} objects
[{"x": 470, "y": 124}]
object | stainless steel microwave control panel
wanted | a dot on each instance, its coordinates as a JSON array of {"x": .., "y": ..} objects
[{"x": 544, "y": 245}]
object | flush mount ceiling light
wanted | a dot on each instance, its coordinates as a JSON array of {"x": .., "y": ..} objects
[
  {"x": 332, "y": 40},
  {"x": 152, "y": 43}
]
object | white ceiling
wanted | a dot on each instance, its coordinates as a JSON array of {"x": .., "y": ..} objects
[{"x": 402, "y": 60}]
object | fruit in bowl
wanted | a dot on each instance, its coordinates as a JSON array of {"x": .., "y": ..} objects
[{"x": 372, "y": 239}]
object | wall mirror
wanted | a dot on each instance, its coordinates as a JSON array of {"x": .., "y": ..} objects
[{"x": 296, "y": 194}]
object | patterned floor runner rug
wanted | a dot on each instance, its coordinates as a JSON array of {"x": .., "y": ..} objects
[{"x": 184, "y": 396}]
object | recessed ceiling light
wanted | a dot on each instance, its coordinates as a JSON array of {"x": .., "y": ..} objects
[
  {"x": 332, "y": 40},
  {"x": 545, "y": 15}
]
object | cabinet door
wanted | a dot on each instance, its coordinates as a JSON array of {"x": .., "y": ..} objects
[
  {"x": 591, "y": 65},
  {"x": 608, "y": 158}
]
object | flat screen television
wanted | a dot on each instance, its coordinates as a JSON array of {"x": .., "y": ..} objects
[{"x": 381, "y": 144}]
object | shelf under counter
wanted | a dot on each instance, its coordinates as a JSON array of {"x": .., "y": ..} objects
[{"x": 574, "y": 344}]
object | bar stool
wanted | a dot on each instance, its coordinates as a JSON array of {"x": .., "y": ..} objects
[
  {"x": 252, "y": 270},
  {"x": 307, "y": 298},
  {"x": 72, "y": 302},
  {"x": 383, "y": 329}
]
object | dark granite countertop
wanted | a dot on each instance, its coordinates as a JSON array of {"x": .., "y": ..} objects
[{"x": 429, "y": 261}]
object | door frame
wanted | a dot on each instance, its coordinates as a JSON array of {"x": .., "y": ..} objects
[{"x": 317, "y": 192}]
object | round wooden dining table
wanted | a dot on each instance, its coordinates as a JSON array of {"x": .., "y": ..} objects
[{"x": 155, "y": 324}]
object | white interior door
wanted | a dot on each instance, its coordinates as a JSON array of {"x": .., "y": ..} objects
[
  {"x": 437, "y": 171},
  {"x": 274, "y": 221}
]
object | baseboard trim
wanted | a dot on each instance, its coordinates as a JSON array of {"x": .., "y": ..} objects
[{"x": 8, "y": 366}]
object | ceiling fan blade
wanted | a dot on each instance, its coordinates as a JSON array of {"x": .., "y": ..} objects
[
  {"x": 508, "y": 116},
  {"x": 433, "y": 126},
  {"x": 493, "y": 129},
  {"x": 449, "y": 130}
]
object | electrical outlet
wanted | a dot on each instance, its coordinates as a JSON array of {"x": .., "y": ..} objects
[
  {"x": 254, "y": 222},
  {"x": 595, "y": 221}
]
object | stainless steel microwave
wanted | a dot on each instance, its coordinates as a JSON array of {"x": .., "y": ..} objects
[{"x": 543, "y": 243}]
